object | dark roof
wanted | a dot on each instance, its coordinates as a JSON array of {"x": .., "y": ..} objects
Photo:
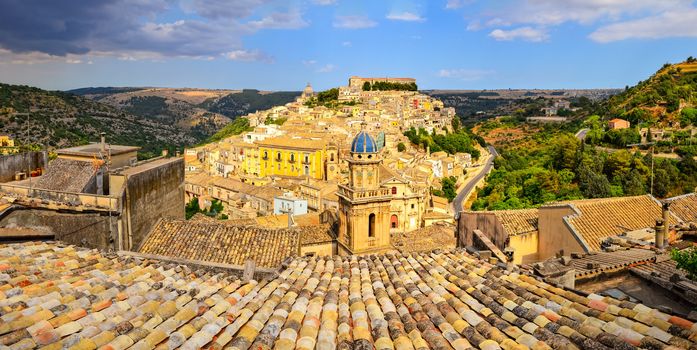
[
  {"x": 66, "y": 175},
  {"x": 69, "y": 297},
  {"x": 363, "y": 143}
]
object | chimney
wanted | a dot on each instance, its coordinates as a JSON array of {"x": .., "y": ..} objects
[
  {"x": 664, "y": 234},
  {"x": 660, "y": 226},
  {"x": 103, "y": 142}
]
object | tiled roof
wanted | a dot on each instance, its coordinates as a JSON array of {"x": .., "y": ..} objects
[
  {"x": 221, "y": 243},
  {"x": 437, "y": 236},
  {"x": 66, "y": 175},
  {"x": 685, "y": 207},
  {"x": 604, "y": 217},
  {"x": 517, "y": 222},
  {"x": 596, "y": 263},
  {"x": 82, "y": 299}
]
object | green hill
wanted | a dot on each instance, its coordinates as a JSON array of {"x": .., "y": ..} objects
[
  {"x": 666, "y": 98},
  {"x": 55, "y": 119}
]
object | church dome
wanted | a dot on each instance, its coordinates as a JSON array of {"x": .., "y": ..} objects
[{"x": 363, "y": 143}]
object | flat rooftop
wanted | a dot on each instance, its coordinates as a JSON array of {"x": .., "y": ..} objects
[
  {"x": 147, "y": 165},
  {"x": 93, "y": 149}
]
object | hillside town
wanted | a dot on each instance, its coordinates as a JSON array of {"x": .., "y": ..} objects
[
  {"x": 322, "y": 225},
  {"x": 298, "y": 158}
]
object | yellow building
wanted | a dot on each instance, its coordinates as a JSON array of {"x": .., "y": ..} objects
[
  {"x": 286, "y": 156},
  {"x": 7, "y": 145}
]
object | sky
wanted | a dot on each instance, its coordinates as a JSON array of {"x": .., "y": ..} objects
[{"x": 282, "y": 45}]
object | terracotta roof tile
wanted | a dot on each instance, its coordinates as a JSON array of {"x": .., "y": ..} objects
[
  {"x": 66, "y": 175},
  {"x": 605, "y": 217},
  {"x": 65, "y": 297},
  {"x": 517, "y": 222},
  {"x": 685, "y": 207},
  {"x": 222, "y": 243}
]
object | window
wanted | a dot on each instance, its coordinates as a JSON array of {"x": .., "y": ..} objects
[
  {"x": 371, "y": 225},
  {"x": 307, "y": 170},
  {"x": 307, "y": 158},
  {"x": 292, "y": 157},
  {"x": 412, "y": 205},
  {"x": 394, "y": 190},
  {"x": 394, "y": 221},
  {"x": 266, "y": 155},
  {"x": 331, "y": 157},
  {"x": 278, "y": 156}
]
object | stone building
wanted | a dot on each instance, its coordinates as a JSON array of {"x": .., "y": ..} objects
[{"x": 82, "y": 202}]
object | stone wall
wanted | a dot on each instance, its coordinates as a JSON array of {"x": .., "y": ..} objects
[
  {"x": 81, "y": 229},
  {"x": 21, "y": 162},
  {"x": 152, "y": 194},
  {"x": 483, "y": 221}
]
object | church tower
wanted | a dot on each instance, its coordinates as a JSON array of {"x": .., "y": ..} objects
[
  {"x": 332, "y": 162},
  {"x": 364, "y": 206}
]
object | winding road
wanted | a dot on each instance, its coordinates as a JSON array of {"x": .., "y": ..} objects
[{"x": 462, "y": 195}]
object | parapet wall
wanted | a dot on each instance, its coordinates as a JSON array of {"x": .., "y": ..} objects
[
  {"x": 21, "y": 162},
  {"x": 82, "y": 229},
  {"x": 153, "y": 194}
]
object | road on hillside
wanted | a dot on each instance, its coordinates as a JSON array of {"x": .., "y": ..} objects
[
  {"x": 460, "y": 198},
  {"x": 581, "y": 134}
]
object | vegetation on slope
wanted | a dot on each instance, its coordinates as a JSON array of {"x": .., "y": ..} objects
[
  {"x": 554, "y": 165},
  {"x": 248, "y": 101},
  {"x": 237, "y": 127},
  {"x": 660, "y": 98},
  {"x": 60, "y": 119}
]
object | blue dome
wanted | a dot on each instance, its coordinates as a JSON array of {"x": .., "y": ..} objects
[{"x": 363, "y": 143}]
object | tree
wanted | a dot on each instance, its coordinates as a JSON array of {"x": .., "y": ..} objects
[
  {"x": 563, "y": 151},
  {"x": 634, "y": 183},
  {"x": 686, "y": 259},
  {"x": 192, "y": 208},
  {"x": 592, "y": 184},
  {"x": 366, "y": 86},
  {"x": 401, "y": 147}
]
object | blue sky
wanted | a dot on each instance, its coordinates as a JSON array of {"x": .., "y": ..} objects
[{"x": 281, "y": 45}]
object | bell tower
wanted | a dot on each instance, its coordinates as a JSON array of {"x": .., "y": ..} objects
[{"x": 364, "y": 206}]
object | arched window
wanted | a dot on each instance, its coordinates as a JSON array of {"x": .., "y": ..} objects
[
  {"x": 394, "y": 221},
  {"x": 371, "y": 225},
  {"x": 331, "y": 156},
  {"x": 278, "y": 156},
  {"x": 394, "y": 190}
]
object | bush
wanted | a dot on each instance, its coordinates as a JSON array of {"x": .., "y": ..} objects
[
  {"x": 401, "y": 147},
  {"x": 686, "y": 259}
]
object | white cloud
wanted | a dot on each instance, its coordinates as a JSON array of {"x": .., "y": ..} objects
[
  {"x": 405, "y": 16},
  {"x": 73, "y": 61},
  {"x": 454, "y": 4},
  {"x": 668, "y": 24},
  {"x": 309, "y": 62},
  {"x": 280, "y": 20},
  {"x": 531, "y": 19},
  {"x": 346, "y": 44},
  {"x": 326, "y": 68},
  {"x": 353, "y": 22},
  {"x": 324, "y": 2},
  {"x": 554, "y": 12},
  {"x": 523, "y": 33},
  {"x": 248, "y": 56},
  {"x": 464, "y": 74}
]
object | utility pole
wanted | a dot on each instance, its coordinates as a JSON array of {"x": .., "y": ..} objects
[{"x": 652, "y": 156}]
